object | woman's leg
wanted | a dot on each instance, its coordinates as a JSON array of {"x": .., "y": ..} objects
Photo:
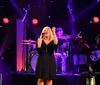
[
  {"x": 48, "y": 82},
  {"x": 40, "y": 82}
]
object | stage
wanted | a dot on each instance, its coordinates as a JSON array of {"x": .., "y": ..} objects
[{"x": 25, "y": 78}]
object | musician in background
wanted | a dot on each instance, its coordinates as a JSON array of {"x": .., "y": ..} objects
[
  {"x": 98, "y": 41},
  {"x": 59, "y": 32},
  {"x": 97, "y": 45},
  {"x": 95, "y": 55},
  {"x": 64, "y": 48},
  {"x": 81, "y": 51},
  {"x": 61, "y": 40},
  {"x": 61, "y": 51}
]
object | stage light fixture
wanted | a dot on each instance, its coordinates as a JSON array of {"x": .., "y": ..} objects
[
  {"x": 34, "y": 21},
  {"x": 96, "y": 19},
  {"x": 98, "y": 0},
  {"x": 5, "y": 20}
]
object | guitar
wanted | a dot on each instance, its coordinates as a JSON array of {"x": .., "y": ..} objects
[{"x": 95, "y": 55}]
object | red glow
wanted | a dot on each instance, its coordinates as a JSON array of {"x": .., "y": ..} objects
[
  {"x": 95, "y": 19},
  {"x": 5, "y": 20},
  {"x": 35, "y": 21}
]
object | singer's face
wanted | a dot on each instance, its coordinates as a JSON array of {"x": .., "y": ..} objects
[{"x": 47, "y": 32}]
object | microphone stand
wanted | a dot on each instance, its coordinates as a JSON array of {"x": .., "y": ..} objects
[
  {"x": 26, "y": 13},
  {"x": 24, "y": 33}
]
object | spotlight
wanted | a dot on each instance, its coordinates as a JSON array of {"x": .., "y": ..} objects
[
  {"x": 35, "y": 21},
  {"x": 5, "y": 20},
  {"x": 98, "y": 1},
  {"x": 0, "y": 26},
  {"x": 95, "y": 19}
]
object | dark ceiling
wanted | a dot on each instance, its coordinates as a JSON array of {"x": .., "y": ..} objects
[{"x": 56, "y": 13}]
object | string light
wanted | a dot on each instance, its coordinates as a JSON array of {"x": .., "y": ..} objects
[
  {"x": 23, "y": 8},
  {"x": 0, "y": 26},
  {"x": 5, "y": 20},
  {"x": 97, "y": 0},
  {"x": 90, "y": 21},
  {"x": 49, "y": 16},
  {"x": 95, "y": 19},
  {"x": 35, "y": 21}
]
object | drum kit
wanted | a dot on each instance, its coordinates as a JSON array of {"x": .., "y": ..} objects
[
  {"x": 63, "y": 55},
  {"x": 32, "y": 54},
  {"x": 60, "y": 57}
]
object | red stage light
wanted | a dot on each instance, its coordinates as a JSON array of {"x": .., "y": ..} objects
[
  {"x": 5, "y": 20},
  {"x": 35, "y": 21},
  {"x": 95, "y": 19}
]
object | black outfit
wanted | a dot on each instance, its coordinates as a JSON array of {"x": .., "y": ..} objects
[
  {"x": 46, "y": 65},
  {"x": 80, "y": 49}
]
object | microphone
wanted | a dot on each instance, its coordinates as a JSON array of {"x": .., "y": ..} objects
[{"x": 44, "y": 33}]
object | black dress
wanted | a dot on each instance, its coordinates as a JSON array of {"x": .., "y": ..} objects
[{"x": 46, "y": 65}]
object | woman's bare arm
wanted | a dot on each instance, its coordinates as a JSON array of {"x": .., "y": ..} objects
[{"x": 55, "y": 36}]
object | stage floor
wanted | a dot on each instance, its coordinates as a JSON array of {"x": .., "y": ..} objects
[{"x": 25, "y": 78}]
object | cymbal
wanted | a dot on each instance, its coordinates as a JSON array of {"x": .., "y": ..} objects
[
  {"x": 65, "y": 37},
  {"x": 28, "y": 41},
  {"x": 61, "y": 37},
  {"x": 69, "y": 36}
]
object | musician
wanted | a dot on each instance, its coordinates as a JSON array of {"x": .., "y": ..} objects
[
  {"x": 46, "y": 66},
  {"x": 97, "y": 45},
  {"x": 64, "y": 48},
  {"x": 81, "y": 51},
  {"x": 95, "y": 61},
  {"x": 59, "y": 32},
  {"x": 61, "y": 40},
  {"x": 98, "y": 40}
]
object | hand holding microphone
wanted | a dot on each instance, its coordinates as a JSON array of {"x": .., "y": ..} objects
[{"x": 44, "y": 33}]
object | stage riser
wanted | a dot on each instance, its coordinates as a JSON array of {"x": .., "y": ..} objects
[
  {"x": 27, "y": 79},
  {"x": 61, "y": 80}
]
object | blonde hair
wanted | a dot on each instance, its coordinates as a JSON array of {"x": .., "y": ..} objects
[{"x": 51, "y": 34}]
